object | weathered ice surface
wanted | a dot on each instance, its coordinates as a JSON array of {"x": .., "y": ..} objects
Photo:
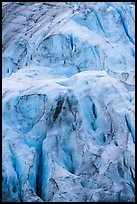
[{"x": 68, "y": 102}]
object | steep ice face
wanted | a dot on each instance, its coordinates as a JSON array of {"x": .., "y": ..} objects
[
  {"x": 85, "y": 36},
  {"x": 68, "y": 102}
]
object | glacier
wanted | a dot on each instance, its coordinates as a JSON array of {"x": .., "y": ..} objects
[{"x": 68, "y": 101}]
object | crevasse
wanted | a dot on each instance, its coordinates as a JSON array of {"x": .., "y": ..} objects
[{"x": 68, "y": 122}]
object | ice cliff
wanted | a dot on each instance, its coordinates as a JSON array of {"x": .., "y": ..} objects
[{"x": 68, "y": 101}]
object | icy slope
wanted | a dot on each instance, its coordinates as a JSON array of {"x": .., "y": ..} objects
[
  {"x": 68, "y": 102},
  {"x": 97, "y": 36}
]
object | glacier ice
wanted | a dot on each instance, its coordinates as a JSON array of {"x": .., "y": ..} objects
[{"x": 68, "y": 101}]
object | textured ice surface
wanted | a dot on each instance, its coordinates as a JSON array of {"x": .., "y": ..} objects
[{"x": 68, "y": 102}]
